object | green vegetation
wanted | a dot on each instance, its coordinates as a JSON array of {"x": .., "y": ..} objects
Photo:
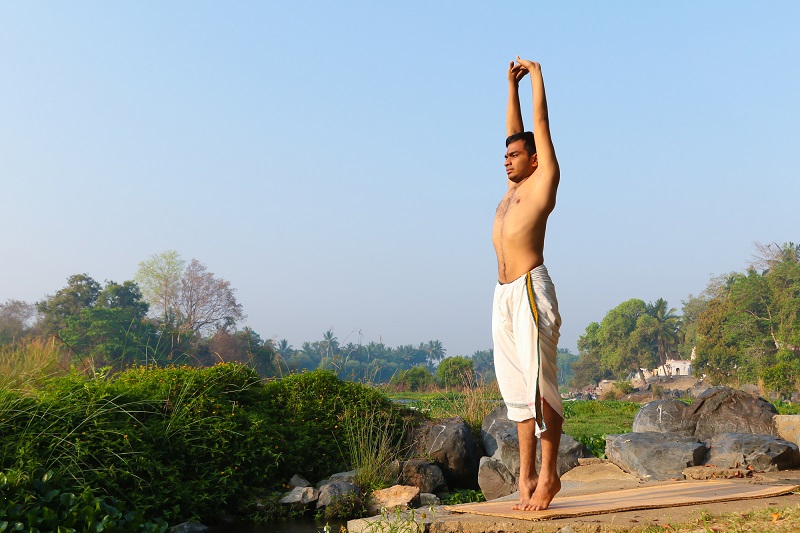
[
  {"x": 174, "y": 443},
  {"x": 744, "y": 328},
  {"x": 590, "y": 421}
]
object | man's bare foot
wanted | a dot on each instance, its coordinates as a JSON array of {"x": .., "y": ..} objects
[
  {"x": 526, "y": 491},
  {"x": 545, "y": 491}
]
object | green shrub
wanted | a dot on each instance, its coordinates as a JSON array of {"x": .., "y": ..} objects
[
  {"x": 172, "y": 442},
  {"x": 307, "y": 409},
  {"x": 44, "y": 505}
]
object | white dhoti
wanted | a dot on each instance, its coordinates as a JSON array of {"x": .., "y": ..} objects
[{"x": 525, "y": 329}]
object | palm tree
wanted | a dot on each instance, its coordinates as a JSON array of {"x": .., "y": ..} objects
[
  {"x": 436, "y": 351},
  {"x": 665, "y": 336}
]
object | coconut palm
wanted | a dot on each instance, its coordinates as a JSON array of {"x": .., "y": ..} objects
[{"x": 665, "y": 335}]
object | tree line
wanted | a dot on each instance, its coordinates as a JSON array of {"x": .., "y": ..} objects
[
  {"x": 744, "y": 327},
  {"x": 177, "y": 312}
]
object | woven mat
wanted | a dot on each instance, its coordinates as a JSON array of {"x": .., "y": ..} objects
[{"x": 653, "y": 497}]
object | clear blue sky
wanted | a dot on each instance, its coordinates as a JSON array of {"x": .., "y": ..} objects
[{"x": 340, "y": 163}]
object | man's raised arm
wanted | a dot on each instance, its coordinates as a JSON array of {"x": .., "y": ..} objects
[
  {"x": 548, "y": 164},
  {"x": 513, "y": 113}
]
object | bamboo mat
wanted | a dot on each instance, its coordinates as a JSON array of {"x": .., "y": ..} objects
[{"x": 653, "y": 497}]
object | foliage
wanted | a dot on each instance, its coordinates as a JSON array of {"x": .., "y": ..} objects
[
  {"x": 471, "y": 403},
  {"x": 172, "y": 442},
  {"x": 371, "y": 442},
  {"x": 565, "y": 359},
  {"x": 464, "y": 496},
  {"x": 418, "y": 378},
  {"x": 750, "y": 328},
  {"x": 43, "y": 504},
  {"x": 345, "y": 507},
  {"x": 455, "y": 372},
  {"x": 310, "y": 407},
  {"x": 632, "y": 336},
  {"x": 24, "y": 364},
  {"x": 589, "y": 421}
]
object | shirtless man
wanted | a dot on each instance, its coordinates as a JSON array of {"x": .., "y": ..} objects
[{"x": 525, "y": 319}]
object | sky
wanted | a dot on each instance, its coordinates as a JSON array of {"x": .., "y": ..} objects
[{"x": 340, "y": 162}]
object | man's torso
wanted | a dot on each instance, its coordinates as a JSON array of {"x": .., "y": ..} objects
[{"x": 519, "y": 230}]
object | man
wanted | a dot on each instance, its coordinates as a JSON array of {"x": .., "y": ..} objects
[{"x": 525, "y": 319}]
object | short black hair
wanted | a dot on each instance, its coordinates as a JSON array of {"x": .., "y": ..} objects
[{"x": 527, "y": 138}]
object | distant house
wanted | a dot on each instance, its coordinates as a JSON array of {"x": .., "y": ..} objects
[{"x": 674, "y": 367}]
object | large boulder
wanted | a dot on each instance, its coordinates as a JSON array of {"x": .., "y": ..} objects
[
  {"x": 654, "y": 456},
  {"x": 500, "y": 439},
  {"x": 498, "y": 474},
  {"x": 663, "y": 416},
  {"x": 449, "y": 442},
  {"x": 495, "y": 480},
  {"x": 424, "y": 475},
  {"x": 762, "y": 452},
  {"x": 726, "y": 410}
]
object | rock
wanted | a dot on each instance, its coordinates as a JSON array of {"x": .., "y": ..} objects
[
  {"x": 570, "y": 451},
  {"x": 712, "y": 472},
  {"x": 426, "y": 499},
  {"x": 495, "y": 480},
  {"x": 663, "y": 416},
  {"x": 788, "y": 427},
  {"x": 500, "y": 439},
  {"x": 501, "y": 442},
  {"x": 188, "y": 527},
  {"x": 654, "y": 456},
  {"x": 726, "y": 410},
  {"x": 761, "y": 452},
  {"x": 345, "y": 476},
  {"x": 449, "y": 442},
  {"x": 299, "y": 497},
  {"x": 298, "y": 481},
  {"x": 401, "y": 496},
  {"x": 334, "y": 490},
  {"x": 424, "y": 475}
]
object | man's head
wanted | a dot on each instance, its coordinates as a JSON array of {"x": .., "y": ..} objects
[
  {"x": 521, "y": 160},
  {"x": 526, "y": 137}
]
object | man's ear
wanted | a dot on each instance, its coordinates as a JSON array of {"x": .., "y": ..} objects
[{"x": 535, "y": 160}]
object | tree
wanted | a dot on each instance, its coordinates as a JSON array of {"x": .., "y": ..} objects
[
  {"x": 80, "y": 293},
  {"x": 436, "y": 351},
  {"x": 483, "y": 364},
  {"x": 565, "y": 359},
  {"x": 455, "y": 372},
  {"x": 16, "y": 319},
  {"x": 588, "y": 369},
  {"x": 665, "y": 332},
  {"x": 159, "y": 278},
  {"x": 418, "y": 378},
  {"x": 204, "y": 302},
  {"x": 113, "y": 329}
]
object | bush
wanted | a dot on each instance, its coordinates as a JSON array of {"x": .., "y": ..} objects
[
  {"x": 172, "y": 442},
  {"x": 414, "y": 379},
  {"x": 306, "y": 412},
  {"x": 43, "y": 505},
  {"x": 455, "y": 372}
]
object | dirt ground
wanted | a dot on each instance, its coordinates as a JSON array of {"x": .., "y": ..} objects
[{"x": 588, "y": 479}]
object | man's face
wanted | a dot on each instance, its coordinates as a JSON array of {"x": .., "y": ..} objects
[{"x": 519, "y": 164}]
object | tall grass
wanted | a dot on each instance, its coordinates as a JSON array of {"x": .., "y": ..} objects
[
  {"x": 372, "y": 442},
  {"x": 472, "y": 403},
  {"x": 24, "y": 364}
]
